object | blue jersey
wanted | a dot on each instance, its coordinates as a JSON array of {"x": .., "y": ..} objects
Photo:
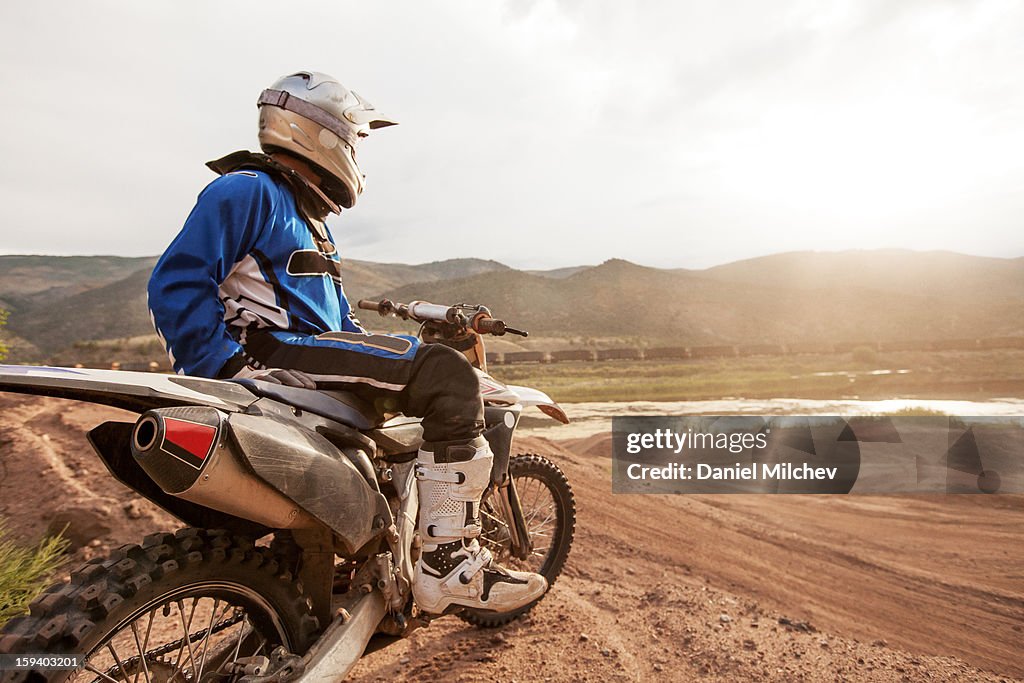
[{"x": 245, "y": 259}]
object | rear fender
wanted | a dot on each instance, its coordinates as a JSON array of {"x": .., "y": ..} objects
[{"x": 136, "y": 391}]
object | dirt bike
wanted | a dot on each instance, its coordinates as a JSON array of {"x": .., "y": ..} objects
[{"x": 301, "y": 509}]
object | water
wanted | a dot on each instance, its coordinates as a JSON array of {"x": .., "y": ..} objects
[{"x": 595, "y": 418}]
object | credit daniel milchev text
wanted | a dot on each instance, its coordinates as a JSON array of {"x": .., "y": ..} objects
[{"x": 736, "y": 442}]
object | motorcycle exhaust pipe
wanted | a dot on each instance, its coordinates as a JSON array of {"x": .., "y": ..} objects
[
  {"x": 189, "y": 454},
  {"x": 144, "y": 437}
]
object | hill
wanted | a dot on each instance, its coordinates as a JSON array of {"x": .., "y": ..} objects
[
  {"x": 704, "y": 307},
  {"x": 26, "y": 275},
  {"x": 558, "y": 273},
  {"x": 113, "y": 310},
  {"x": 814, "y": 297},
  {"x": 56, "y": 301},
  {"x": 367, "y": 279},
  {"x": 895, "y": 270}
]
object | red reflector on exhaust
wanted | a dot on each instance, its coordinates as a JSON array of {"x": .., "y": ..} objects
[{"x": 197, "y": 439}]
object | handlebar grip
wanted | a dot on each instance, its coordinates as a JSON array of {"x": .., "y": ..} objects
[
  {"x": 368, "y": 305},
  {"x": 384, "y": 307},
  {"x": 489, "y": 326}
]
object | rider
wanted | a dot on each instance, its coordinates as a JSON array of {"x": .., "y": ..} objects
[{"x": 251, "y": 288}]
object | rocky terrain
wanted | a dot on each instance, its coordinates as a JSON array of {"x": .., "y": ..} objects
[{"x": 721, "y": 588}]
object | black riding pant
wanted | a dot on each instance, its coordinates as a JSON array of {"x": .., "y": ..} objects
[{"x": 394, "y": 373}]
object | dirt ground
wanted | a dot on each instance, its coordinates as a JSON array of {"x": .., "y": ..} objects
[{"x": 814, "y": 588}]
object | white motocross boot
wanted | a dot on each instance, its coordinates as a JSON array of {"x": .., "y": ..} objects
[{"x": 453, "y": 570}]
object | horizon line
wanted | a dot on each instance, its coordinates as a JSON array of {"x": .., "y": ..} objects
[{"x": 583, "y": 265}]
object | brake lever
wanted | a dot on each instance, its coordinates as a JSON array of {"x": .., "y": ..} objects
[{"x": 512, "y": 330}]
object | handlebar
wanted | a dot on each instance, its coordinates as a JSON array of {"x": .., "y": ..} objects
[
  {"x": 476, "y": 318},
  {"x": 384, "y": 306}
]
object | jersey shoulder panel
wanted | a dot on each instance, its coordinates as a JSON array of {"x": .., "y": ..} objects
[{"x": 243, "y": 185}]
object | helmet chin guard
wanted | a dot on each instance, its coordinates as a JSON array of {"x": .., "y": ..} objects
[{"x": 312, "y": 116}]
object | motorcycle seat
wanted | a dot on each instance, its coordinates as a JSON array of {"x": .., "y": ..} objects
[{"x": 340, "y": 406}]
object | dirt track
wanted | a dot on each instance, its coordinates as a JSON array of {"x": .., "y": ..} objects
[{"x": 660, "y": 587}]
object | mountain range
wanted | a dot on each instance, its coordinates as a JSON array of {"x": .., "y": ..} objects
[{"x": 877, "y": 295}]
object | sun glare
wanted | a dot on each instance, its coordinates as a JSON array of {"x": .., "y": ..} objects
[{"x": 888, "y": 159}]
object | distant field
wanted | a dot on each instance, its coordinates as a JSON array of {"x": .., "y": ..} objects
[
  {"x": 977, "y": 374},
  {"x": 949, "y": 374}
]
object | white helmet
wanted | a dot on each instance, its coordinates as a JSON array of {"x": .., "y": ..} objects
[{"x": 313, "y": 116}]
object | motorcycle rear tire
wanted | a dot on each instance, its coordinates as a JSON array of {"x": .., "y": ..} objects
[{"x": 106, "y": 596}]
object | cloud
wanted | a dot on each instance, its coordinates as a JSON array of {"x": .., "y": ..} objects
[{"x": 538, "y": 133}]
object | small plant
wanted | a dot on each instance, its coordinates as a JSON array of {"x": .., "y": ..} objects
[
  {"x": 916, "y": 411},
  {"x": 25, "y": 572},
  {"x": 3, "y": 347}
]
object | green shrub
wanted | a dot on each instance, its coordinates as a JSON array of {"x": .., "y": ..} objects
[
  {"x": 3, "y": 321},
  {"x": 916, "y": 411},
  {"x": 25, "y": 572}
]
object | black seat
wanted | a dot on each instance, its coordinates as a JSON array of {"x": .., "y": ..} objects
[{"x": 340, "y": 406}]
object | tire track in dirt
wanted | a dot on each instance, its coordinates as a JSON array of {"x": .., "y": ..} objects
[
  {"x": 816, "y": 561},
  {"x": 36, "y": 432},
  {"x": 52, "y": 473}
]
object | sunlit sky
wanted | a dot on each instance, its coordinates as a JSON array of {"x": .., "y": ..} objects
[{"x": 540, "y": 134}]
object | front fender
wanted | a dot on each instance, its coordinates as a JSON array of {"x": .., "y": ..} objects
[{"x": 534, "y": 397}]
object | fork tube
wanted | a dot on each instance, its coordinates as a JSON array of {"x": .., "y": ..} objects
[{"x": 512, "y": 510}]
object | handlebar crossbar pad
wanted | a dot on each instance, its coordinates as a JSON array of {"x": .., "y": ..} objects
[{"x": 422, "y": 310}]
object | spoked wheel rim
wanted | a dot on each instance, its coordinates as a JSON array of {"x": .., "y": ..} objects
[
  {"x": 542, "y": 516},
  {"x": 186, "y": 636}
]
